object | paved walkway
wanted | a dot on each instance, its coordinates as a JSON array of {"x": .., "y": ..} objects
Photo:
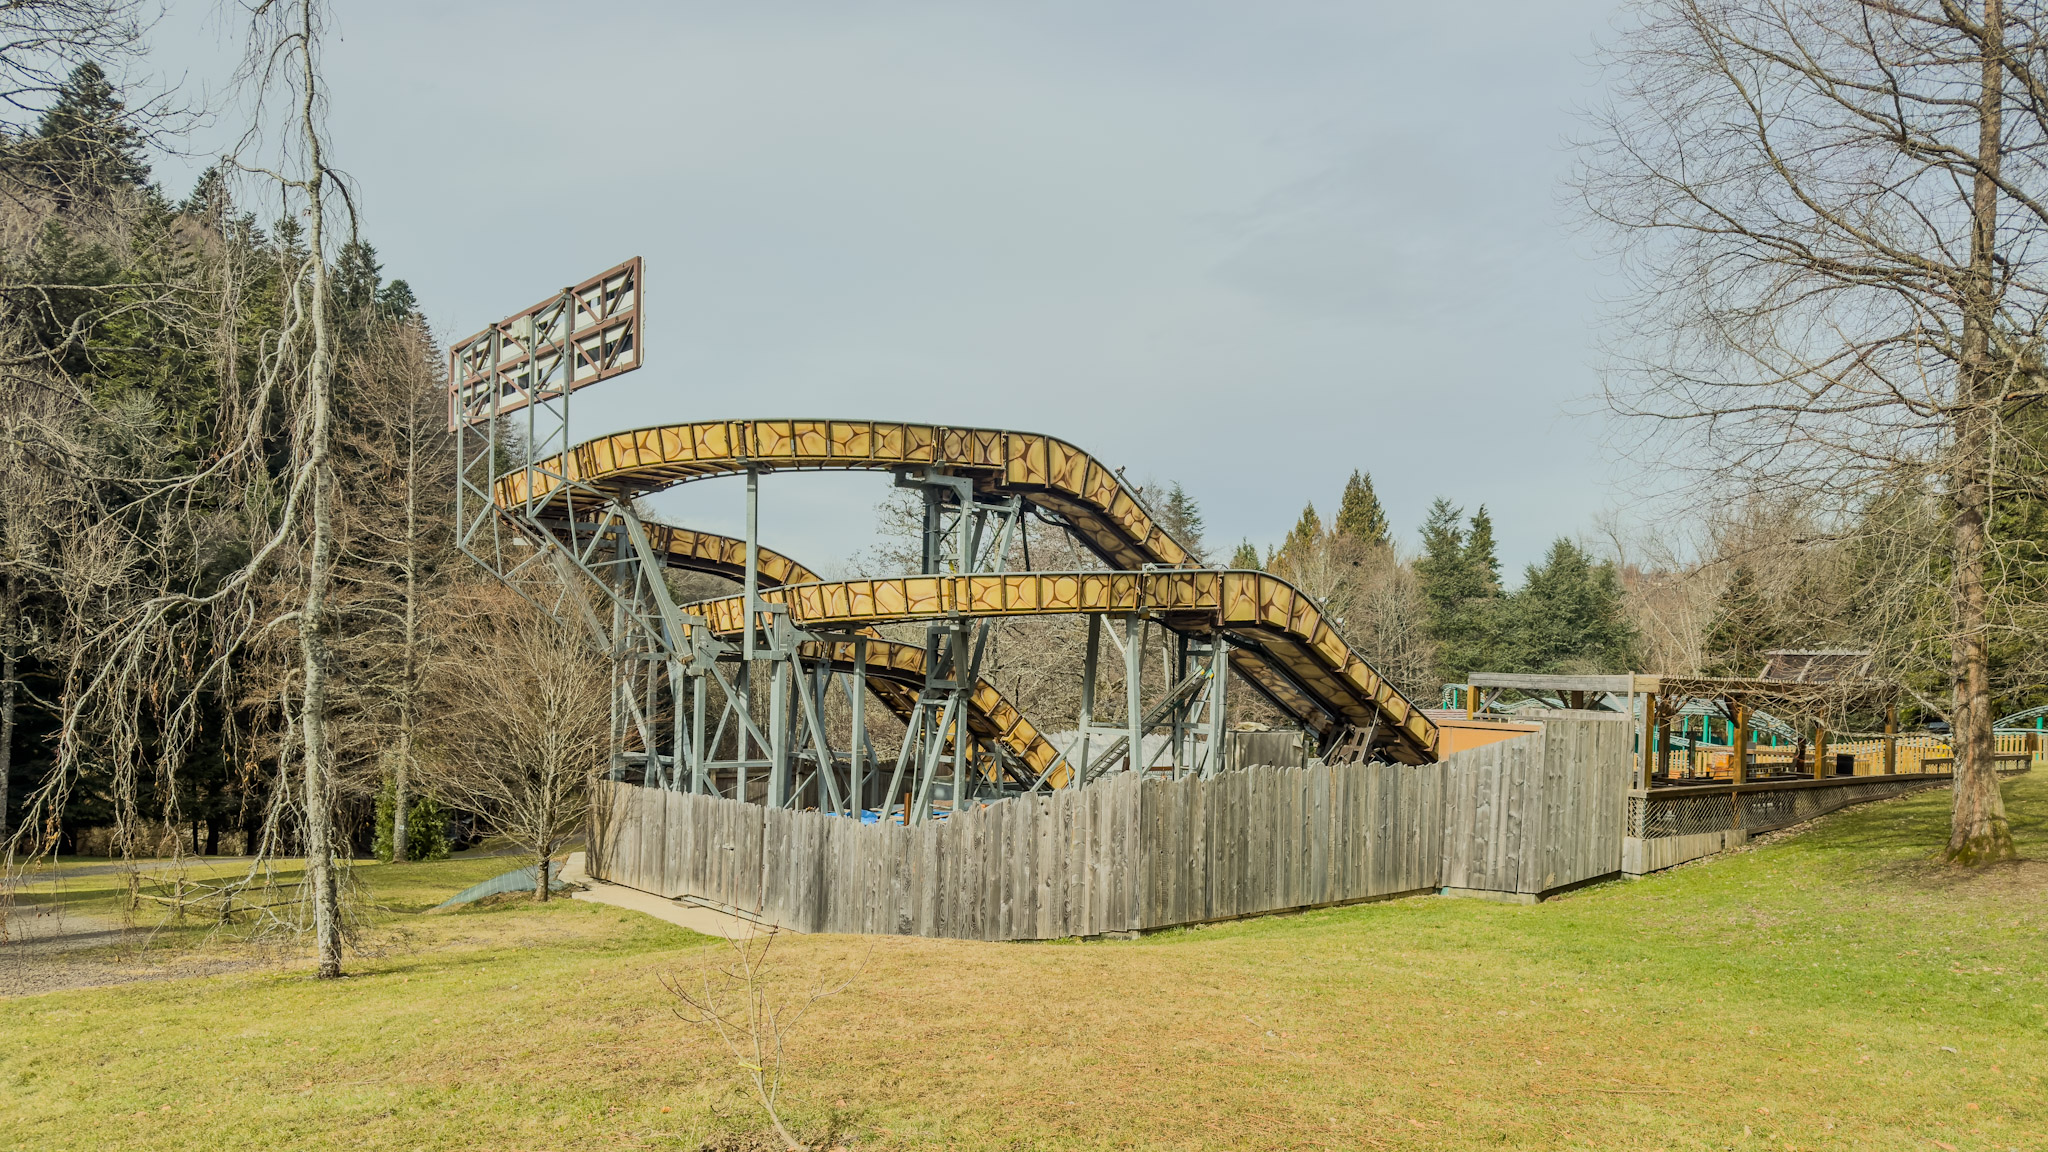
[{"x": 689, "y": 916}]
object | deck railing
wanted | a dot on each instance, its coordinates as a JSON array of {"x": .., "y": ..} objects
[
  {"x": 1686, "y": 818},
  {"x": 1916, "y": 755}
]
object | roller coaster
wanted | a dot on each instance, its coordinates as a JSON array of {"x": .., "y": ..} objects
[{"x": 728, "y": 696}]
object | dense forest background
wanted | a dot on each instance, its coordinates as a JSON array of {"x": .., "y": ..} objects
[{"x": 136, "y": 326}]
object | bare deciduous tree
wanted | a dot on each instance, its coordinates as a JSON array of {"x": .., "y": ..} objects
[
  {"x": 739, "y": 1004},
  {"x": 1833, "y": 215},
  {"x": 525, "y": 724},
  {"x": 398, "y": 478},
  {"x": 1374, "y": 598},
  {"x": 283, "y": 55}
]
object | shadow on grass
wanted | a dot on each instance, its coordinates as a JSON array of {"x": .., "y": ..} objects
[{"x": 1898, "y": 843}]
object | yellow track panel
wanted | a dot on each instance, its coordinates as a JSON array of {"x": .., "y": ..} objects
[
  {"x": 896, "y": 671},
  {"x": 1052, "y": 473},
  {"x": 1296, "y": 645},
  {"x": 723, "y": 556}
]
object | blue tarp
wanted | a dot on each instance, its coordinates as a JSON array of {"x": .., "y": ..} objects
[{"x": 517, "y": 880}]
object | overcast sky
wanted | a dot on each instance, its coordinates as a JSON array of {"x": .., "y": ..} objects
[{"x": 1248, "y": 247}]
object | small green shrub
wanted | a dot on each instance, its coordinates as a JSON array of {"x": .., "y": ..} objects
[{"x": 426, "y": 827}]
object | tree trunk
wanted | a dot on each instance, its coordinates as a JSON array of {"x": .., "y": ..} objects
[
  {"x": 400, "y": 827},
  {"x": 1978, "y": 832},
  {"x": 547, "y": 845},
  {"x": 401, "y": 824},
  {"x": 314, "y": 612},
  {"x": 10, "y": 610}
]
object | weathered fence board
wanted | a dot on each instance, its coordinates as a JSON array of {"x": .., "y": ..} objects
[
  {"x": 1538, "y": 812},
  {"x": 1127, "y": 853}
]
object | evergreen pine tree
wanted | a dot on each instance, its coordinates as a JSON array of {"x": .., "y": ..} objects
[
  {"x": 1568, "y": 616},
  {"x": 426, "y": 828},
  {"x": 209, "y": 199},
  {"x": 1744, "y": 627},
  {"x": 1182, "y": 519},
  {"x": 1246, "y": 558},
  {"x": 84, "y": 145},
  {"x": 357, "y": 276},
  {"x": 289, "y": 247},
  {"x": 1461, "y": 586},
  {"x": 1302, "y": 538},
  {"x": 1483, "y": 567},
  {"x": 1360, "y": 516},
  {"x": 1442, "y": 567},
  {"x": 395, "y": 301}
]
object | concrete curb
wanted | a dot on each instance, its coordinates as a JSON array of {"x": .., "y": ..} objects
[{"x": 702, "y": 920}]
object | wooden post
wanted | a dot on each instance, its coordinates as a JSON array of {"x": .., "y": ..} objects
[
  {"x": 1738, "y": 736},
  {"x": 1664, "y": 741},
  {"x": 1649, "y": 749},
  {"x": 1891, "y": 739},
  {"x": 1821, "y": 770},
  {"x": 1471, "y": 702}
]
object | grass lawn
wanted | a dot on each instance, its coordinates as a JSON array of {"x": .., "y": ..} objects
[{"x": 1831, "y": 990}]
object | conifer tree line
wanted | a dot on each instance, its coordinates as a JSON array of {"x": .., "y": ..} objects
[
  {"x": 229, "y": 593},
  {"x": 1428, "y": 615},
  {"x": 1748, "y": 579}
]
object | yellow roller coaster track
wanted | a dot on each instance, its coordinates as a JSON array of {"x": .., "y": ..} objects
[
  {"x": 1052, "y": 474},
  {"x": 895, "y": 671},
  {"x": 1305, "y": 660},
  {"x": 1300, "y": 662}
]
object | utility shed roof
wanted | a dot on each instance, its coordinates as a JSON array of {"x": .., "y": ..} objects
[{"x": 1819, "y": 666}]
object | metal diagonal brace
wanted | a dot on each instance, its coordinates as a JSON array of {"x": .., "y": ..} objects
[{"x": 1153, "y": 716}]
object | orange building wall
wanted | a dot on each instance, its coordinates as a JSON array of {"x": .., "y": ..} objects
[{"x": 1458, "y": 735}]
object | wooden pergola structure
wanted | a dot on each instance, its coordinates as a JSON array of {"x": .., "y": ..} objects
[{"x": 1654, "y": 701}]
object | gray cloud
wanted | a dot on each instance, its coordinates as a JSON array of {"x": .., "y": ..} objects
[{"x": 1248, "y": 247}]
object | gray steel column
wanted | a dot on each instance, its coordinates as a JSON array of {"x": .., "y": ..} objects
[
  {"x": 621, "y": 669},
  {"x": 1219, "y": 724},
  {"x": 1182, "y": 755},
  {"x": 742, "y": 740},
  {"x": 960, "y": 758},
  {"x": 778, "y": 735},
  {"x": 700, "y": 781},
  {"x": 1134, "y": 682},
  {"x": 859, "y": 753},
  {"x": 751, "y": 603},
  {"x": 1088, "y": 665},
  {"x": 752, "y": 581},
  {"x": 678, "y": 755}
]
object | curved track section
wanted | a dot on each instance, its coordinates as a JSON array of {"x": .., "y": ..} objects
[
  {"x": 895, "y": 671},
  {"x": 1304, "y": 662},
  {"x": 693, "y": 551},
  {"x": 1052, "y": 474}
]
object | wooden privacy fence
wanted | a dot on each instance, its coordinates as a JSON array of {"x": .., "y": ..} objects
[
  {"x": 1130, "y": 853},
  {"x": 1538, "y": 812}
]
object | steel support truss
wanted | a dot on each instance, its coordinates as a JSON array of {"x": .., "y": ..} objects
[{"x": 1192, "y": 714}]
